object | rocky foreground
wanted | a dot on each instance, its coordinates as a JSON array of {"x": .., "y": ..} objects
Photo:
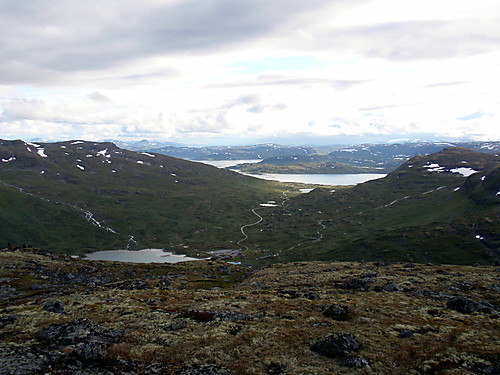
[{"x": 60, "y": 315}]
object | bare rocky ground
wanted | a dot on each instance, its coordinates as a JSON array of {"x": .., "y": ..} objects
[{"x": 60, "y": 315}]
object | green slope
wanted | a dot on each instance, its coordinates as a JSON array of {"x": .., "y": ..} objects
[
  {"x": 159, "y": 200},
  {"x": 416, "y": 213},
  {"x": 303, "y": 164}
]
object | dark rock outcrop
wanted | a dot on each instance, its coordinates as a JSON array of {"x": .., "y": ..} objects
[
  {"x": 54, "y": 306},
  {"x": 336, "y": 312},
  {"x": 468, "y": 306},
  {"x": 337, "y": 345},
  {"x": 7, "y": 319},
  {"x": 83, "y": 337}
]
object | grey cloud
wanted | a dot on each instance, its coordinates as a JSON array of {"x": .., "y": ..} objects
[
  {"x": 416, "y": 40},
  {"x": 99, "y": 98},
  {"x": 62, "y": 36}
]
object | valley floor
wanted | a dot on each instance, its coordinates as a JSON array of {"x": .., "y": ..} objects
[{"x": 60, "y": 315}]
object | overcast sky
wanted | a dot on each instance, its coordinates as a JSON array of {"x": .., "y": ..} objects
[{"x": 249, "y": 71}]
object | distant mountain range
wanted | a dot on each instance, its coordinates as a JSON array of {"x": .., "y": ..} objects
[
  {"x": 232, "y": 152},
  {"x": 380, "y": 158}
]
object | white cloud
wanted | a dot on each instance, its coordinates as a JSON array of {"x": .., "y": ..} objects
[{"x": 249, "y": 68}]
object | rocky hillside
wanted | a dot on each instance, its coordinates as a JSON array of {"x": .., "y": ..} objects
[{"x": 60, "y": 315}]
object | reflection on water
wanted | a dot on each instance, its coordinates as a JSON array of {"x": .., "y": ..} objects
[
  {"x": 321, "y": 179},
  {"x": 139, "y": 256}
]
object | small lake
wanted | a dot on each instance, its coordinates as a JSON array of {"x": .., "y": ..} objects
[
  {"x": 318, "y": 179},
  {"x": 139, "y": 256},
  {"x": 321, "y": 179}
]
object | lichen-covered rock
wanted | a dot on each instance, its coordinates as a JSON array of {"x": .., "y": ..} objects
[
  {"x": 7, "y": 319},
  {"x": 337, "y": 345},
  {"x": 311, "y": 296},
  {"x": 336, "y": 312},
  {"x": 356, "y": 362},
  {"x": 176, "y": 326},
  {"x": 54, "y": 306},
  {"x": 130, "y": 285},
  {"x": 22, "y": 360},
  {"x": 468, "y": 306},
  {"x": 206, "y": 369},
  {"x": 84, "y": 337},
  {"x": 389, "y": 287},
  {"x": 356, "y": 284}
]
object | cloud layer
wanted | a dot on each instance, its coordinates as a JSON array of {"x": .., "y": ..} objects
[{"x": 234, "y": 71}]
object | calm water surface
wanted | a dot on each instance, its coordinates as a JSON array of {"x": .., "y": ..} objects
[
  {"x": 139, "y": 256},
  {"x": 320, "y": 179}
]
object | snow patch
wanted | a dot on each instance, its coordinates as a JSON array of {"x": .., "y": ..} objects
[
  {"x": 77, "y": 143},
  {"x": 89, "y": 156},
  {"x": 464, "y": 171},
  {"x": 434, "y": 168},
  {"x": 483, "y": 178},
  {"x": 305, "y": 191},
  {"x": 42, "y": 153},
  {"x": 456, "y": 189},
  {"x": 12, "y": 158},
  {"x": 140, "y": 162},
  {"x": 145, "y": 153},
  {"x": 33, "y": 144},
  {"x": 80, "y": 167},
  {"x": 479, "y": 237},
  {"x": 268, "y": 205}
]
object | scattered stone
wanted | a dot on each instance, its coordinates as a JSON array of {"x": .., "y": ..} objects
[
  {"x": 176, "y": 326},
  {"x": 336, "y": 345},
  {"x": 199, "y": 316},
  {"x": 207, "y": 369},
  {"x": 311, "y": 296},
  {"x": 275, "y": 368},
  {"x": 389, "y": 287},
  {"x": 208, "y": 316},
  {"x": 356, "y": 362},
  {"x": 259, "y": 285},
  {"x": 356, "y": 284},
  {"x": 54, "y": 306},
  {"x": 224, "y": 270},
  {"x": 83, "y": 337},
  {"x": 468, "y": 306},
  {"x": 164, "y": 284},
  {"x": 336, "y": 312},
  {"x": 130, "y": 285},
  {"x": 7, "y": 319},
  {"x": 22, "y": 360},
  {"x": 7, "y": 292},
  {"x": 151, "y": 301},
  {"x": 288, "y": 294},
  {"x": 404, "y": 334}
]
